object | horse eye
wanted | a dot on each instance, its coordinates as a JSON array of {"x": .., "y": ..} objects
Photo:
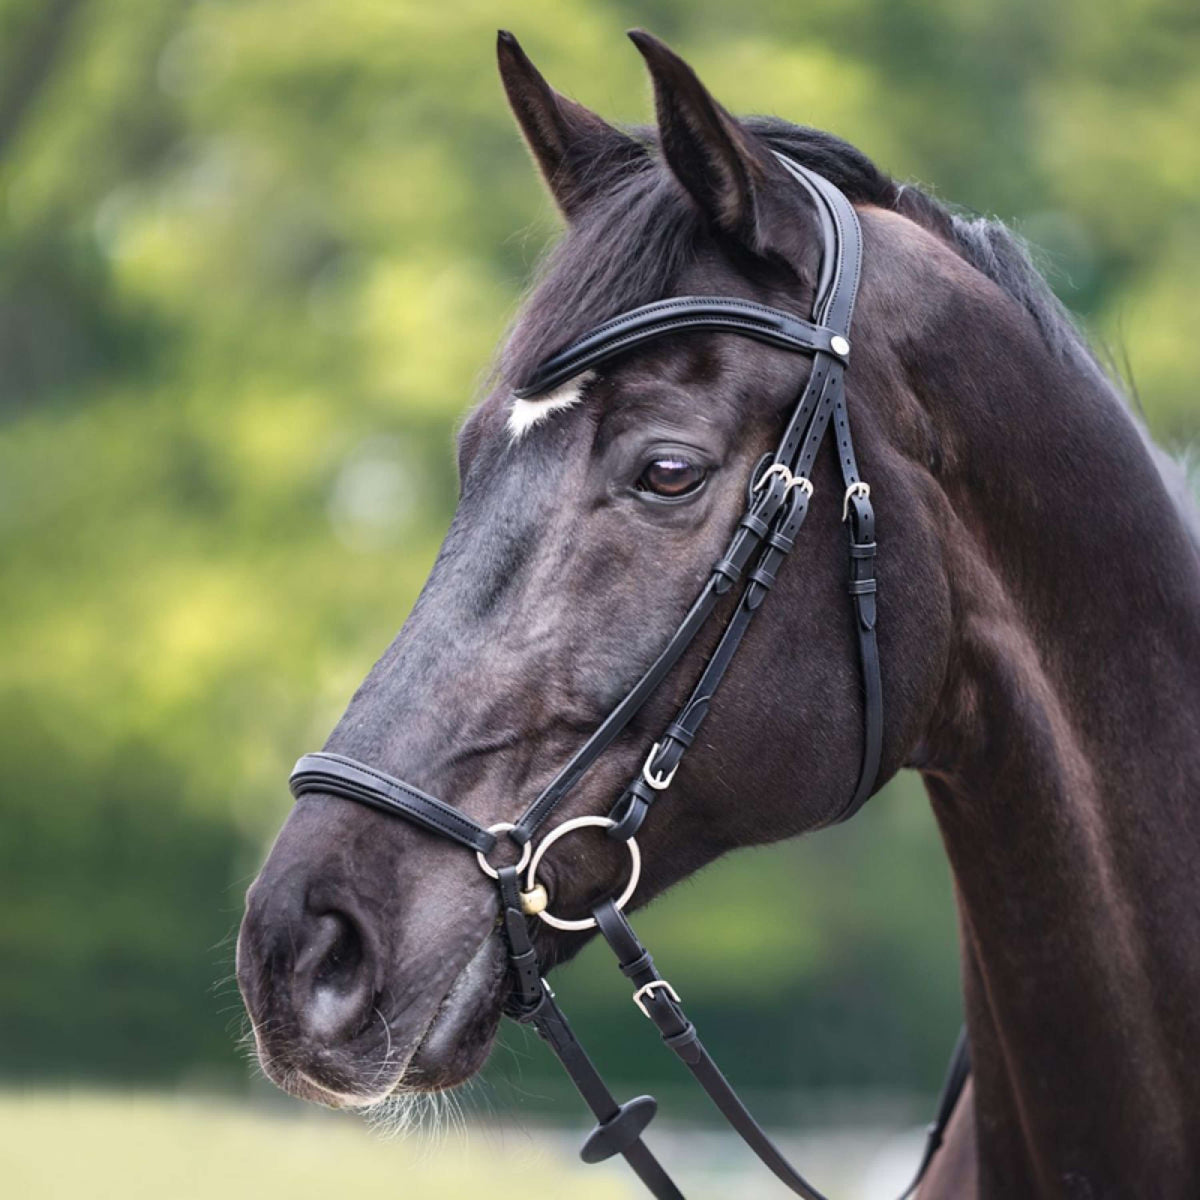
[{"x": 671, "y": 477}]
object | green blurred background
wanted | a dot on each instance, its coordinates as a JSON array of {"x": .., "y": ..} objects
[{"x": 254, "y": 258}]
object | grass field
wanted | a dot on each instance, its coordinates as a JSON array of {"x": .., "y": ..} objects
[
  {"x": 110, "y": 1145},
  {"x": 57, "y": 1145}
]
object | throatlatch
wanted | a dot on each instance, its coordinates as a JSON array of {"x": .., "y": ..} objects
[{"x": 778, "y": 496}]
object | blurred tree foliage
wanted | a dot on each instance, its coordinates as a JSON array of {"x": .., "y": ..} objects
[{"x": 253, "y": 260}]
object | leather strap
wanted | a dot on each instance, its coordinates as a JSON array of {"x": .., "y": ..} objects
[
  {"x": 726, "y": 572},
  {"x": 836, "y": 309},
  {"x": 677, "y": 315},
  {"x": 631, "y": 809},
  {"x": 660, "y": 1003},
  {"x": 619, "y": 1126},
  {"x": 822, "y": 398},
  {"x": 797, "y": 450},
  {"x": 841, "y": 261},
  {"x": 957, "y": 1074},
  {"x": 524, "y": 971},
  {"x": 336, "y": 775},
  {"x": 624, "y": 1132},
  {"x": 863, "y": 588}
]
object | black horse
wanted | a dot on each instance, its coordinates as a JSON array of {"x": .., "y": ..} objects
[{"x": 1039, "y": 599}]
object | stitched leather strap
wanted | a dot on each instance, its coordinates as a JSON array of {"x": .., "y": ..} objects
[
  {"x": 335, "y": 775},
  {"x": 678, "y": 315},
  {"x": 841, "y": 260},
  {"x": 797, "y": 449},
  {"x": 821, "y": 399}
]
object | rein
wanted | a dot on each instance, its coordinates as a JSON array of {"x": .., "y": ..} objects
[{"x": 777, "y": 499}]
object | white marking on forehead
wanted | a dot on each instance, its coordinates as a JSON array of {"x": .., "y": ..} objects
[{"x": 525, "y": 414}]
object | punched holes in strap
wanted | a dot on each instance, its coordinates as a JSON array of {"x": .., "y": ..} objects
[
  {"x": 837, "y": 286},
  {"x": 780, "y": 541},
  {"x": 630, "y": 810}
]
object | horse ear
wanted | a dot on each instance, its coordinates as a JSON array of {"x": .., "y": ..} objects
[
  {"x": 715, "y": 158},
  {"x": 577, "y": 152}
]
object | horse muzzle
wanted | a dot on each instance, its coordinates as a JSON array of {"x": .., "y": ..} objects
[{"x": 353, "y": 996}]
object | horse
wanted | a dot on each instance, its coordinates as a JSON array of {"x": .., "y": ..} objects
[{"x": 1038, "y": 571}]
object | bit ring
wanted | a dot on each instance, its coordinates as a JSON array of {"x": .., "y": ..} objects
[
  {"x": 486, "y": 867},
  {"x": 635, "y": 869}
]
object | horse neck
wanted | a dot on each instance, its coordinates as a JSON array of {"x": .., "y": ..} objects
[{"x": 1063, "y": 764}]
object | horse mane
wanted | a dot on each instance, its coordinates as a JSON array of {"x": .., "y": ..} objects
[{"x": 642, "y": 231}]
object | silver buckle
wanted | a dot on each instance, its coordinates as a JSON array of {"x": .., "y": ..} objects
[
  {"x": 657, "y": 780},
  {"x": 860, "y": 489},
  {"x": 775, "y": 469},
  {"x": 649, "y": 989}
]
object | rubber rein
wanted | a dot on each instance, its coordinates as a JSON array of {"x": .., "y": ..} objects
[{"x": 778, "y": 495}]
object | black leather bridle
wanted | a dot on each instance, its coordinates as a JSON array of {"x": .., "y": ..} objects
[{"x": 778, "y": 495}]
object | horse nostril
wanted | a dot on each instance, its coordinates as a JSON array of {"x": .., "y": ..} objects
[
  {"x": 332, "y": 977},
  {"x": 343, "y": 951}
]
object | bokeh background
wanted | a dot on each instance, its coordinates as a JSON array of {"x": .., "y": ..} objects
[{"x": 254, "y": 257}]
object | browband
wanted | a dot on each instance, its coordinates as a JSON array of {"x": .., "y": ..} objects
[{"x": 650, "y": 321}]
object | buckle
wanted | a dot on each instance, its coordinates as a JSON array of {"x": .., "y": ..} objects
[
  {"x": 859, "y": 489},
  {"x": 774, "y": 469},
  {"x": 648, "y": 989},
  {"x": 656, "y": 779}
]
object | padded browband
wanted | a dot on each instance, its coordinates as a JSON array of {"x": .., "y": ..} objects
[{"x": 678, "y": 315}]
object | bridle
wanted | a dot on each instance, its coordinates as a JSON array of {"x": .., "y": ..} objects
[{"x": 778, "y": 496}]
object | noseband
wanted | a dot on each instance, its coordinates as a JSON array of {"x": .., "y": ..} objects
[{"x": 777, "y": 499}]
